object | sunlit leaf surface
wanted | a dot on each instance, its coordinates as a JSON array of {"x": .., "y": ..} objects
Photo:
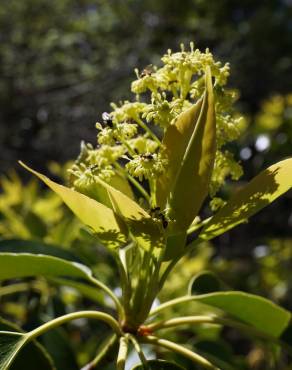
[
  {"x": 190, "y": 146},
  {"x": 258, "y": 193},
  {"x": 101, "y": 219}
]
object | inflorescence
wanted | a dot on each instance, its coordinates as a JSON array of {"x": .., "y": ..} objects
[{"x": 129, "y": 137}]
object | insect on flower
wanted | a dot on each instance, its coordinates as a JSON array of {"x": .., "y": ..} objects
[
  {"x": 147, "y": 156},
  {"x": 147, "y": 71},
  {"x": 107, "y": 119}
]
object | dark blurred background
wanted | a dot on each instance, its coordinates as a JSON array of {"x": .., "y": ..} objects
[{"x": 63, "y": 61}]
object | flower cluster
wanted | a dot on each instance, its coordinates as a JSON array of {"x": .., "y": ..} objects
[{"x": 129, "y": 137}]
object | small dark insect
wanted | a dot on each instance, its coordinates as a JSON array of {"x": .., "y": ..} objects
[
  {"x": 155, "y": 213},
  {"x": 93, "y": 167},
  {"x": 147, "y": 71},
  {"x": 147, "y": 156},
  {"x": 107, "y": 119},
  {"x": 164, "y": 221}
]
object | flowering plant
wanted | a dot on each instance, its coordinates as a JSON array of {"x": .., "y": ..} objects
[{"x": 158, "y": 162}]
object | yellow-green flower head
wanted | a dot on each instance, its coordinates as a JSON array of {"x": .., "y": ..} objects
[
  {"x": 147, "y": 165},
  {"x": 142, "y": 145},
  {"x": 125, "y": 131},
  {"x": 161, "y": 111},
  {"x": 161, "y": 94},
  {"x": 127, "y": 111},
  {"x": 105, "y": 155}
]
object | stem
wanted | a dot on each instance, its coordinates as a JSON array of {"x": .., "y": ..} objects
[
  {"x": 115, "y": 299},
  {"x": 209, "y": 320},
  {"x": 147, "y": 129},
  {"x": 172, "y": 302},
  {"x": 137, "y": 185},
  {"x": 146, "y": 289},
  {"x": 197, "y": 226},
  {"x": 122, "y": 355},
  {"x": 138, "y": 349},
  {"x": 167, "y": 271},
  {"x": 153, "y": 201},
  {"x": 125, "y": 282},
  {"x": 96, "y": 315},
  {"x": 105, "y": 350},
  {"x": 181, "y": 350},
  {"x": 163, "y": 324}
]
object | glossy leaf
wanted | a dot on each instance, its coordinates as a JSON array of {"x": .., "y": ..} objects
[
  {"x": 257, "y": 194},
  {"x": 101, "y": 219},
  {"x": 144, "y": 230},
  {"x": 159, "y": 365},
  {"x": 256, "y": 311},
  {"x": 36, "y": 247},
  {"x": 19, "y": 265},
  {"x": 190, "y": 146},
  {"x": 16, "y": 353}
]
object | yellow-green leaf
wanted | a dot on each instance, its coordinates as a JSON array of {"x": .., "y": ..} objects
[
  {"x": 175, "y": 142},
  {"x": 97, "y": 192},
  {"x": 258, "y": 193},
  {"x": 190, "y": 146},
  {"x": 143, "y": 228},
  {"x": 102, "y": 220}
]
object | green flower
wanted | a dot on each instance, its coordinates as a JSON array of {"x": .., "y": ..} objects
[{"x": 148, "y": 166}]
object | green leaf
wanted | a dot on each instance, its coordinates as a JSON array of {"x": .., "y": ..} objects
[
  {"x": 36, "y": 247},
  {"x": 144, "y": 230},
  {"x": 15, "y": 354},
  {"x": 205, "y": 282},
  {"x": 10, "y": 345},
  {"x": 19, "y": 265},
  {"x": 97, "y": 191},
  {"x": 258, "y": 193},
  {"x": 120, "y": 183},
  {"x": 256, "y": 311},
  {"x": 190, "y": 146},
  {"x": 159, "y": 365},
  {"x": 101, "y": 219},
  {"x": 175, "y": 244}
]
